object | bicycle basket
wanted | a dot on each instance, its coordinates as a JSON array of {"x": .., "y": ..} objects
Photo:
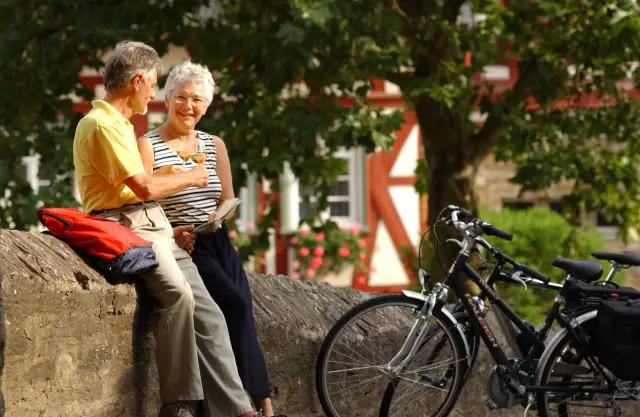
[{"x": 618, "y": 338}]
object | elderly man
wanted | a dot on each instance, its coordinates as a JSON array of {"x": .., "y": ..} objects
[{"x": 193, "y": 352}]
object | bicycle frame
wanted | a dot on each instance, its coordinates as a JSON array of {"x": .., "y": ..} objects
[{"x": 456, "y": 282}]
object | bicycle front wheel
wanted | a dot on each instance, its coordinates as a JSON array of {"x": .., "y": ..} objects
[{"x": 352, "y": 376}]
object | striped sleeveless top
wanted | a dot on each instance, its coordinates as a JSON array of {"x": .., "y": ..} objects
[{"x": 191, "y": 205}]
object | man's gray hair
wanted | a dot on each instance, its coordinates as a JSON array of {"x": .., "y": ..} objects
[
  {"x": 128, "y": 59},
  {"x": 188, "y": 71}
]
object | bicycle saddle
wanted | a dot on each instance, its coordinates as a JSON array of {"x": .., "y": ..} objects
[
  {"x": 586, "y": 270},
  {"x": 623, "y": 258}
]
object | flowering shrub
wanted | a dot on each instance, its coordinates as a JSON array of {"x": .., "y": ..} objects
[
  {"x": 240, "y": 240},
  {"x": 327, "y": 251}
]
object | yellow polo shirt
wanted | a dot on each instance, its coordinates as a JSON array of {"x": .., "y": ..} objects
[{"x": 105, "y": 153}]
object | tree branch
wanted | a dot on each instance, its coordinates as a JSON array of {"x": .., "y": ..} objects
[
  {"x": 451, "y": 10},
  {"x": 487, "y": 137}
]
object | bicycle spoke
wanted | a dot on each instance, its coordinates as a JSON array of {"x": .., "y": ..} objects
[
  {"x": 345, "y": 381},
  {"x": 356, "y": 369},
  {"x": 357, "y": 353},
  {"x": 357, "y": 385},
  {"x": 433, "y": 366},
  {"x": 411, "y": 390},
  {"x": 355, "y": 361}
]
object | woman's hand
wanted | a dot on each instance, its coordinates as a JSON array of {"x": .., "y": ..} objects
[
  {"x": 167, "y": 169},
  {"x": 183, "y": 238},
  {"x": 215, "y": 228}
]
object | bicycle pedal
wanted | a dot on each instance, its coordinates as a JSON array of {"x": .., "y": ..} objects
[{"x": 491, "y": 405}]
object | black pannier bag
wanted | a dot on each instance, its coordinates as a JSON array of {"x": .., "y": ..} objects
[
  {"x": 618, "y": 338},
  {"x": 578, "y": 294}
]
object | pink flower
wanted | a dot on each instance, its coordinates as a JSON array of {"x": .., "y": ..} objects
[
  {"x": 319, "y": 237},
  {"x": 233, "y": 234},
  {"x": 355, "y": 229},
  {"x": 304, "y": 251},
  {"x": 310, "y": 273},
  {"x": 295, "y": 265},
  {"x": 315, "y": 263},
  {"x": 294, "y": 240},
  {"x": 362, "y": 243},
  {"x": 342, "y": 226},
  {"x": 295, "y": 275},
  {"x": 362, "y": 280},
  {"x": 251, "y": 225},
  {"x": 363, "y": 256},
  {"x": 304, "y": 230},
  {"x": 372, "y": 270},
  {"x": 344, "y": 252},
  {"x": 318, "y": 251}
]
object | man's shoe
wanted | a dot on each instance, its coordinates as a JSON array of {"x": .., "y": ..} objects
[{"x": 180, "y": 409}]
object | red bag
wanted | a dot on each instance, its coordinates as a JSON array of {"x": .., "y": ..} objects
[{"x": 110, "y": 248}]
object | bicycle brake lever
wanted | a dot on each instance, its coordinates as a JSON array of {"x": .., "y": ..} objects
[
  {"x": 456, "y": 241},
  {"x": 516, "y": 278}
]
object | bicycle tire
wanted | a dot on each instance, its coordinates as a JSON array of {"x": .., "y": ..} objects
[
  {"x": 441, "y": 319},
  {"x": 553, "y": 356}
]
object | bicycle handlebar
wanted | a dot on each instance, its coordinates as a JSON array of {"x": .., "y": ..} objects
[
  {"x": 487, "y": 228},
  {"x": 491, "y": 230}
]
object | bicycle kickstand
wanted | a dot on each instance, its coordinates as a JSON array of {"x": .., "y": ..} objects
[{"x": 530, "y": 404}]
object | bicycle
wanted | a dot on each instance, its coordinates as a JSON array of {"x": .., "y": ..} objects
[
  {"x": 429, "y": 318},
  {"x": 582, "y": 292}
]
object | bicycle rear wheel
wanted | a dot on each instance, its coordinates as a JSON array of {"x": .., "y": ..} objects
[
  {"x": 352, "y": 377},
  {"x": 567, "y": 366}
]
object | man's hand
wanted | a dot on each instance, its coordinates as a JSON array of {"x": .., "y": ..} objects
[
  {"x": 200, "y": 176},
  {"x": 183, "y": 238}
]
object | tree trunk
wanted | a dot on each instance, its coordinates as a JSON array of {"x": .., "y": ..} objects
[
  {"x": 448, "y": 156},
  {"x": 2, "y": 343},
  {"x": 448, "y": 188}
]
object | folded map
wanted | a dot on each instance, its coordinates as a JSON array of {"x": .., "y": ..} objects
[{"x": 220, "y": 215}]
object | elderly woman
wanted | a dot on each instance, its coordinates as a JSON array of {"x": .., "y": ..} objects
[{"x": 175, "y": 145}]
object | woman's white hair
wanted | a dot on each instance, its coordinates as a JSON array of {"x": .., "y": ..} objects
[{"x": 196, "y": 73}]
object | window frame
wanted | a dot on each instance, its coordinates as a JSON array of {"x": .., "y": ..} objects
[{"x": 356, "y": 198}]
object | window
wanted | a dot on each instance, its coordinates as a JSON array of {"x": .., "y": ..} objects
[
  {"x": 601, "y": 221},
  {"x": 607, "y": 228},
  {"x": 347, "y": 194},
  {"x": 560, "y": 208}
]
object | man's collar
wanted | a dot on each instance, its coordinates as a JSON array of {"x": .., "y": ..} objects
[{"x": 110, "y": 110}]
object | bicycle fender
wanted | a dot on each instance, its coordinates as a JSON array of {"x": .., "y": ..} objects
[
  {"x": 450, "y": 317},
  {"x": 557, "y": 338}
]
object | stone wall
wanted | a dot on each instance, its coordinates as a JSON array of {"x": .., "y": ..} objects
[
  {"x": 493, "y": 186},
  {"x": 77, "y": 347}
]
